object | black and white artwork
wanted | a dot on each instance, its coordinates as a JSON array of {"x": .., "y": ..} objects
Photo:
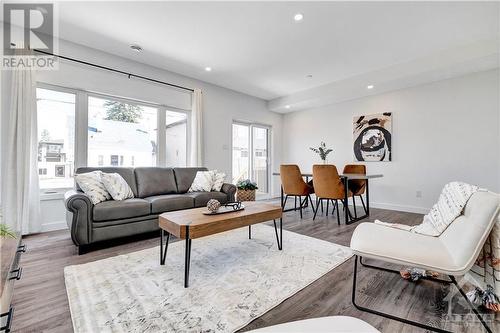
[{"x": 372, "y": 135}]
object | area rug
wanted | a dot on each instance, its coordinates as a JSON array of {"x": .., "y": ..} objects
[{"x": 233, "y": 280}]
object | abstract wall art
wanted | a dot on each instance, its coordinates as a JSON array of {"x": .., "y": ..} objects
[{"x": 372, "y": 135}]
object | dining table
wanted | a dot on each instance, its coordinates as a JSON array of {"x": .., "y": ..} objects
[{"x": 346, "y": 177}]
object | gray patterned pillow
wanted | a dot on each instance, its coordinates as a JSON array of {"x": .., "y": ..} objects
[
  {"x": 91, "y": 184},
  {"x": 116, "y": 186}
]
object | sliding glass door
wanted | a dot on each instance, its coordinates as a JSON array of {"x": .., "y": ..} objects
[{"x": 251, "y": 154}]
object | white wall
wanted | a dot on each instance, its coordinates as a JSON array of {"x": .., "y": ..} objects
[
  {"x": 220, "y": 107},
  {"x": 442, "y": 131}
]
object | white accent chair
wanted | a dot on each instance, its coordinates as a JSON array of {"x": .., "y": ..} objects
[{"x": 452, "y": 253}]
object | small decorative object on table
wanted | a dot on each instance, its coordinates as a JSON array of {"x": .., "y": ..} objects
[
  {"x": 227, "y": 208},
  {"x": 213, "y": 205},
  {"x": 322, "y": 151},
  {"x": 246, "y": 190}
]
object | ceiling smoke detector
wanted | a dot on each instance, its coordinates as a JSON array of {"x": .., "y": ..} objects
[{"x": 136, "y": 48}]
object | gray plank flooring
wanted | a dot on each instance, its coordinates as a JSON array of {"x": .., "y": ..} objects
[{"x": 41, "y": 304}]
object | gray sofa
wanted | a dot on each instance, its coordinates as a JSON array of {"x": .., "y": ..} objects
[{"x": 156, "y": 190}]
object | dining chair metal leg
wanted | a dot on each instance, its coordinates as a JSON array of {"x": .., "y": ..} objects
[
  {"x": 311, "y": 201},
  {"x": 321, "y": 206},
  {"x": 354, "y": 205},
  {"x": 317, "y": 207},
  {"x": 295, "y": 199},
  {"x": 348, "y": 215},
  {"x": 284, "y": 202},
  {"x": 327, "y": 206},
  {"x": 300, "y": 206},
  {"x": 338, "y": 213},
  {"x": 333, "y": 204}
]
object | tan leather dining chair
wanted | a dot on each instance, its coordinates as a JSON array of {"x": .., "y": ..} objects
[
  {"x": 357, "y": 186},
  {"x": 294, "y": 185},
  {"x": 329, "y": 186}
]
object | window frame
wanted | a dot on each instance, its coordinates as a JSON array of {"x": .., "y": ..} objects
[
  {"x": 251, "y": 125},
  {"x": 81, "y": 124}
]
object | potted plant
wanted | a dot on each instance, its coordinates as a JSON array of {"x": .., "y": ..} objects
[
  {"x": 322, "y": 151},
  {"x": 246, "y": 190},
  {"x": 6, "y": 232}
]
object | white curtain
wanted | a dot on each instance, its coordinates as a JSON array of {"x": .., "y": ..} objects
[
  {"x": 196, "y": 149},
  {"x": 20, "y": 195}
]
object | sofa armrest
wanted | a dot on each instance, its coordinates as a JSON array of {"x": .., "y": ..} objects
[
  {"x": 230, "y": 191},
  {"x": 79, "y": 216}
]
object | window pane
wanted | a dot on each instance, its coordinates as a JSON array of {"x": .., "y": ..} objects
[
  {"x": 241, "y": 142},
  {"x": 176, "y": 137},
  {"x": 260, "y": 155},
  {"x": 56, "y": 138},
  {"x": 121, "y": 134}
]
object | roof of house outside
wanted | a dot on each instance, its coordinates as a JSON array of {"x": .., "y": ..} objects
[{"x": 111, "y": 133}]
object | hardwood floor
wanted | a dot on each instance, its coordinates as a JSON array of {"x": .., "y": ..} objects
[{"x": 41, "y": 304}]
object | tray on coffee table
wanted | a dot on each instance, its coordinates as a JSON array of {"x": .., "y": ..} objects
[{"x": 223, "y": 210}]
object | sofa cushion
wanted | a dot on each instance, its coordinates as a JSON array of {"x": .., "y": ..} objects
[
  {"x": 184, "y": 177},
  {"x": 201, "y": 198},
  {"x": 126, "y": 173},
  {"x": 113, "y": 210},
  {"x": 155, "y": 181},
  {"x": 170, "y": 202}
]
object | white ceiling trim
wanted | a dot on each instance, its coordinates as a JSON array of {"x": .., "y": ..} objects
[{"x": 480, "y": 56}]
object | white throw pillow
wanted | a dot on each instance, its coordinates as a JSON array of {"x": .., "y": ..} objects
[
  {"x": 218, "y": 180},
  {"x": 203, "y": 182},
  {"x": 91, "y": 184},
  {"x": 116, "y": 186}
]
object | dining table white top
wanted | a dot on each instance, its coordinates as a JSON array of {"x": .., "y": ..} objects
[{"x": 344, "y": 175}]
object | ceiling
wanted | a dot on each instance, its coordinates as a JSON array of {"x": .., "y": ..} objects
[{"x": 257, "y": 47}]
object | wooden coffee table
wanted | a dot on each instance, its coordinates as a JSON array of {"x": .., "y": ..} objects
[{"x": 192, "y": 223}]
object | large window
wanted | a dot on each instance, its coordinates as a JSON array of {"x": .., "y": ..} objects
[
  {"x": 56, "y": 138},
  {"x": 121, "y": 134},
  {"x": 251, "y": 154},
  {"x": 77, "y": 128}
]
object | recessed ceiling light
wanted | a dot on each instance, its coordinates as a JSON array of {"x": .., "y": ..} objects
[
  {"x": 287, "y": 106},
  {"x": 369, "y": 86},
  {"x": 298, "y": 17},
  {"x": 208, "y": 69},
  {"x": 136, "y": 48}
]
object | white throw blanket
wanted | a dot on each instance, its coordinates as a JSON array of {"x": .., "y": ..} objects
[{"x": 450, "y": 205}]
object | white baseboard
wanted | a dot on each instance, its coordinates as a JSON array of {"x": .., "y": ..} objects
[
  {"x": 52, "y": 226},
  {"x": 401, "y": 208}
]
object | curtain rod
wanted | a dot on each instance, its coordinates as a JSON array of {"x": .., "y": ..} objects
[{"x": 114, "y": 70}]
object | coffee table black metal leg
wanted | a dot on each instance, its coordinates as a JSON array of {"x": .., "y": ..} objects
[
  {"x": 249, "y": 232},
  {"x": 163, "y": 253},
  {"x": 187, "y": 258},
  {"x": 279, "y": 238}
]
